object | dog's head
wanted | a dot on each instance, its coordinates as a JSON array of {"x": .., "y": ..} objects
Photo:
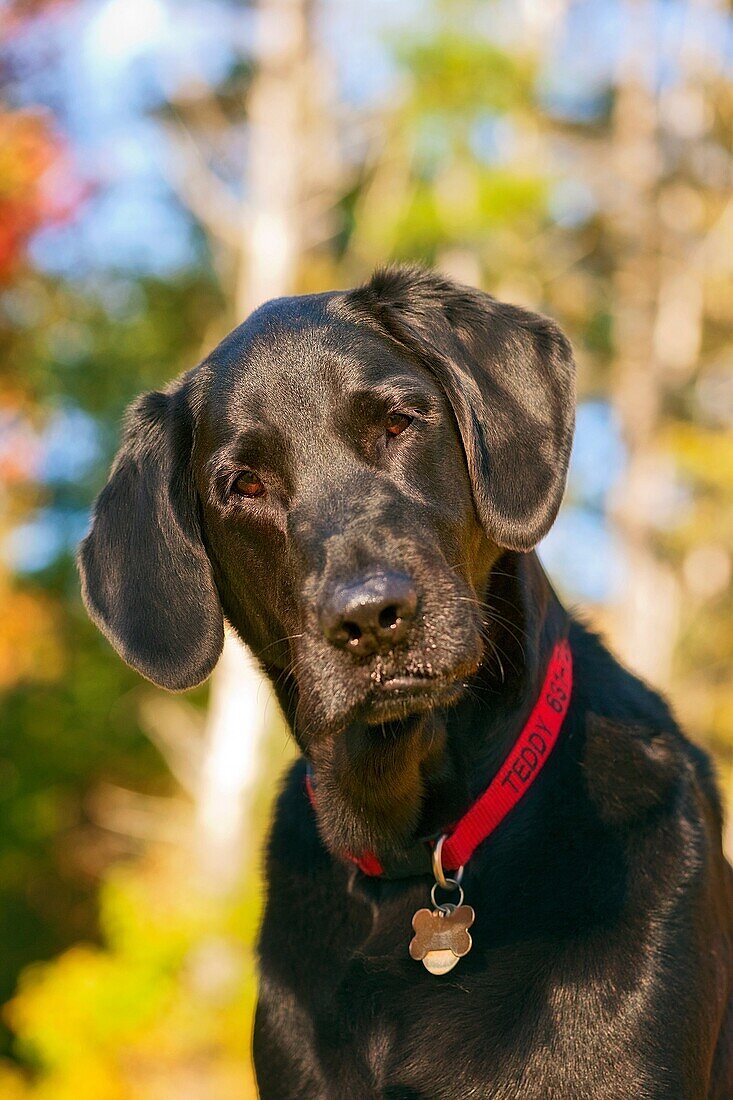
[{"x": 337, "y": 479}]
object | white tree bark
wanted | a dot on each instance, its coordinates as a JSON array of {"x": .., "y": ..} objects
[
  {"x": 658, "y": 322},
  {"x": 647, "y": 609}
]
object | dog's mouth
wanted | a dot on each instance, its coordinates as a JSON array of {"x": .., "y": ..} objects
[
  {"x": 411, "y": 682},
  {"x": 408, "y": 693},
  {"x": 425, "y": 672}
]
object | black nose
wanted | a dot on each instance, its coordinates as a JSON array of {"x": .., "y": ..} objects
[{"x": 371, "y": 615}]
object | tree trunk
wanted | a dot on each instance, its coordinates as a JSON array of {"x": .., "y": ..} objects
[
  {"x": 647, "y": 610},
  {"x": 280, "y": 117}
]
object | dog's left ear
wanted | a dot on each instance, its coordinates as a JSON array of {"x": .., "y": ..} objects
[{"x": 510, "y": 378}]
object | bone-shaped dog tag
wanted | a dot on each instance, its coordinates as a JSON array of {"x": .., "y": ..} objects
[{"x": 441, "y": 936}]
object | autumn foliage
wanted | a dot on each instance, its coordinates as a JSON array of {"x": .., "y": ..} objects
[{"x": 37, "y": 183}]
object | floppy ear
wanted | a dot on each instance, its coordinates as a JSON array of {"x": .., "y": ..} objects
[
  {"x": 510, "y": 378},
  {"x": 146, "y": 578}
]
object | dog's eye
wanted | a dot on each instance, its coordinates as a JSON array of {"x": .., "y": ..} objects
[
  {"x": 396, "y": 423},
  {"x": 248, "y": 485}
]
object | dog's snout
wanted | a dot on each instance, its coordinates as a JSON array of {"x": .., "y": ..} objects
[{"x": 371, "y": 615}]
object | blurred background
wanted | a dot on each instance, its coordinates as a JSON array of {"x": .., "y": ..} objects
[{"x": 166, "y": 165}]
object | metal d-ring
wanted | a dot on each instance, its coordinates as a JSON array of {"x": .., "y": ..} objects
[{"x": 440, "y": 879}]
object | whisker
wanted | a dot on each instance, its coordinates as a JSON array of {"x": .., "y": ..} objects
[
  {"x": 512, "y": 628},
  {"x": 509, "y": 628},
  {"x": 287, "y": 638}
]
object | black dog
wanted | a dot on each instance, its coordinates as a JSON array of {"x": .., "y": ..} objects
[{"x": 356, "y": 481}]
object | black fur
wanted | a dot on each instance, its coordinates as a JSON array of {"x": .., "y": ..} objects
[
  {"x": 146, "y": 579},
  {"x": 602, "y": 959},
  {"x": 510, "y": 379}
]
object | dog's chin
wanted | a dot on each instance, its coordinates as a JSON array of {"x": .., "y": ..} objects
[
  {"x": 371, "y": 776},
  {"x": 370, "y": 784},
  {"x": 375, "y": 754}
]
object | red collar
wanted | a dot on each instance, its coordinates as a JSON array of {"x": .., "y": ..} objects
[{"x": 524, "y": 763}]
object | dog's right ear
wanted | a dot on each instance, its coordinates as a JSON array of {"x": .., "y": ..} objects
[
  {"x": 146, "y": 578},
  {"x": 509, "y": 376}
]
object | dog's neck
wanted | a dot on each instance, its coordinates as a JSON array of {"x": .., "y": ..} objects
[{"x": 434, "y": 769}]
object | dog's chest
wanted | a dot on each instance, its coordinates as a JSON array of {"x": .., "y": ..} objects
[
  {"x": 379, "y": 1024},
  {"x": 503, "y": 1023},
  {"x": 394, "y": 1030},
  {"x": 555, "y": 999}
]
